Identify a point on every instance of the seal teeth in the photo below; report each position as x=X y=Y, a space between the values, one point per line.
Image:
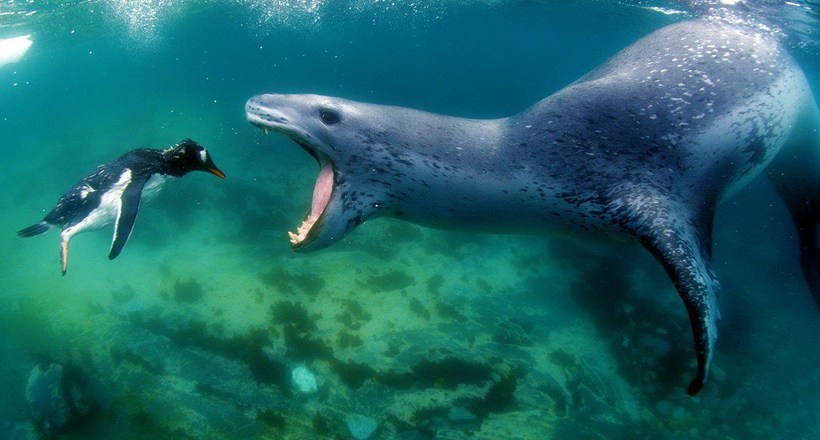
x=301 y=233
x=321 y=198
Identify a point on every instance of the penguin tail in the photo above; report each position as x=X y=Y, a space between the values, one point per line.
x=35 y=229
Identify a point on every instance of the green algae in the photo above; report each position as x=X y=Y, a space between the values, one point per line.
x=291 y=283
x=189 y=291
x=418 y=309
x=389 y=281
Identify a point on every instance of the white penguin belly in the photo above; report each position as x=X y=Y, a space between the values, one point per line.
x=154 y=185
x=106 y=212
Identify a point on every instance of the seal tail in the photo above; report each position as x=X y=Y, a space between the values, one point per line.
x=35 y=229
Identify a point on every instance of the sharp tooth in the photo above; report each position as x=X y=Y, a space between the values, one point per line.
x=293 y=237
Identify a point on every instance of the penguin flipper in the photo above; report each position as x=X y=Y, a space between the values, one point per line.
x=35 y=229
x=127 y=215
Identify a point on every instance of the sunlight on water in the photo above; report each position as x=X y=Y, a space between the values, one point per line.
x=297 y=13
x=143 y=18
x=798 y=20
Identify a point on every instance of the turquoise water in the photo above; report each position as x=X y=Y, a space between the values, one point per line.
x=195 y=330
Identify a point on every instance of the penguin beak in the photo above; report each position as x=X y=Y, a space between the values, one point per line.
x=216 y=172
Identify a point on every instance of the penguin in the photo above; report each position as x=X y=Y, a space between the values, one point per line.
x=112 y=193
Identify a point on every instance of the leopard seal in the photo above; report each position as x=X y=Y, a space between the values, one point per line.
x=645 y=146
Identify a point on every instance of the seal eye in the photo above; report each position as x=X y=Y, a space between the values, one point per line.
x=329 y=117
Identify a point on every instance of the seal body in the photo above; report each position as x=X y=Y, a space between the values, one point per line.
x=112 y=193
x=645 y=146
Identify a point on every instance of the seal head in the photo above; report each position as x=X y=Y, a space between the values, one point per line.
x=322 y=134
x=379 y=160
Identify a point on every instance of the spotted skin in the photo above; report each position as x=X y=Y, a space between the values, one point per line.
x=645 y=146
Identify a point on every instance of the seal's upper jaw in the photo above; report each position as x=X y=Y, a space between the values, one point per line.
x=285 y=114
x=265 y=112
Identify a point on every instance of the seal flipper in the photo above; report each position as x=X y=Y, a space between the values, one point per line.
x=795 y=175
x=806 y=223
x=681 y=242
x=126 y=215
x=690 y=271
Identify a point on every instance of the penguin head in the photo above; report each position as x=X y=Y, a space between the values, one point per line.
x=189 y=156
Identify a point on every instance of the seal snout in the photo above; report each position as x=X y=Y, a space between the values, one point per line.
x=262 y=114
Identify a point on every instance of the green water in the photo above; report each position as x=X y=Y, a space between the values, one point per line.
x=194 y=330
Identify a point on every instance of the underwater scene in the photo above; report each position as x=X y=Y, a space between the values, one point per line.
x=208 y=325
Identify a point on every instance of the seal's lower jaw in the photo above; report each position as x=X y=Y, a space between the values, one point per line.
x=311 y=225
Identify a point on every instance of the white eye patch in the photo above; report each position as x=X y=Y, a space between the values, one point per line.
x=203 y=156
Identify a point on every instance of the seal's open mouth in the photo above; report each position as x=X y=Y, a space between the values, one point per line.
x=322 y=191
x=268 y=121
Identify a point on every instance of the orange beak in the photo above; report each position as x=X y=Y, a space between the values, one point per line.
x=217 y=173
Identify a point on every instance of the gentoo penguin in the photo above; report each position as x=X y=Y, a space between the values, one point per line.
x=113 y=191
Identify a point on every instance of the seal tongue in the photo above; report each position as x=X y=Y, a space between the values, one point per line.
x=321 y=197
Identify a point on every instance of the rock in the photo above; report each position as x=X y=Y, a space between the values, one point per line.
x=304 y=380
x=123 y=294
x=680 y=414
x=57 y=396
x=664 y=408
x=46 y=398
x=460 y=414
x=22 y=431
x=361 y=427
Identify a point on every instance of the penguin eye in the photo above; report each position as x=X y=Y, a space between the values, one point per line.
x=329 y=117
